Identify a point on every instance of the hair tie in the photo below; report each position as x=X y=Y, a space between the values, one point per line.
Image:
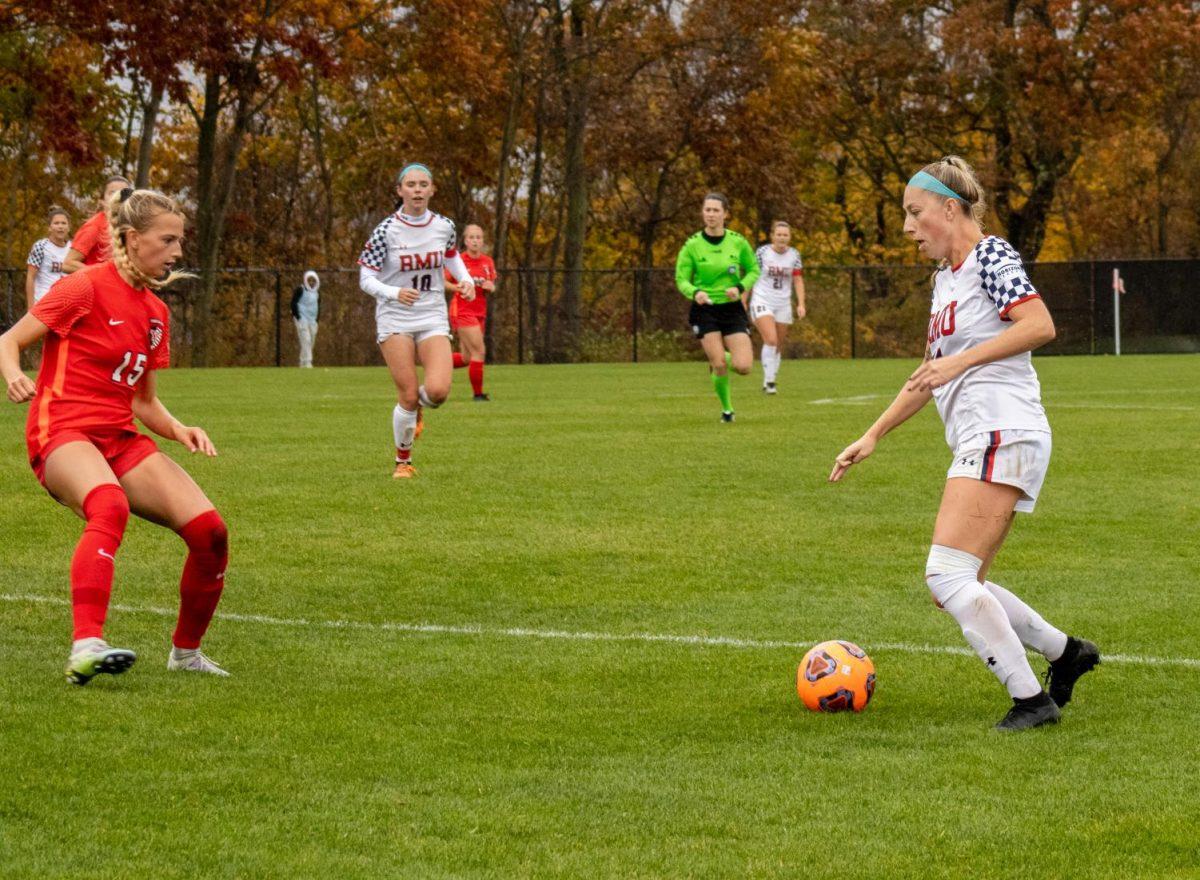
x=125 y=194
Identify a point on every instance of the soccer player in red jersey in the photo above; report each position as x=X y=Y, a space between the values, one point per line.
x=92 y=244
x=106 y=335
x=468 y=318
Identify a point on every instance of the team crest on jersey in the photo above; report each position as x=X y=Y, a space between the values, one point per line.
x=156 y=333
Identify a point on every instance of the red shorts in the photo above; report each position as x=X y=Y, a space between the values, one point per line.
x=123 y=450
x=464 y=314
x=460 y=320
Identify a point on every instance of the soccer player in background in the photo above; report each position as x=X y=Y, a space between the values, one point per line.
x=107 y=334
x=401 y=266
x=91 y=244
x=468 y=318
x=714 y=269
x=985 y=320
x=781 y=275
x=306 y=311
x=46 y=257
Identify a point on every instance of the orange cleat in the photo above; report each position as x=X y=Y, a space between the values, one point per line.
x=404 y=471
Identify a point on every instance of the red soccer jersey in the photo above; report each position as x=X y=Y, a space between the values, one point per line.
x=103 y=337
x=92 y=240
x=482 y=269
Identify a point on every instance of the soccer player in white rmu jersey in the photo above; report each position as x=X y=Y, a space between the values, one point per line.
x=402 y=267
x=985 y=320
x=771 y=300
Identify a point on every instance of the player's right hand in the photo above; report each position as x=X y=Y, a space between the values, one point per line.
x=408 y=295
x=21 y=389
x=701 y=298
x=852 y=454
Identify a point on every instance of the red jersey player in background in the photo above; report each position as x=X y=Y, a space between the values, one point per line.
x=106 y=336
x=468 y=318
x=92 y=244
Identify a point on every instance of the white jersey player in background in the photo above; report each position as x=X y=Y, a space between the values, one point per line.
x=985 y=320
x=401 y=266
x=47 y=256
x=770 y=304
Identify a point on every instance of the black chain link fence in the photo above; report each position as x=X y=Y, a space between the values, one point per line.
x=638 y=315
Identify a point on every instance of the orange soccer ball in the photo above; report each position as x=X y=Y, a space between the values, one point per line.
x=836 y=676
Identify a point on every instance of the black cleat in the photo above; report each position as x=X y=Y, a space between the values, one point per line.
x=481 y=398
x=727 y=417
x=1030 y=713
x=1080 y=656
x=769 y=388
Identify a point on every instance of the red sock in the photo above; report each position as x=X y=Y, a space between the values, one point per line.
x=203 y=577
x=475 y=372
x=107 y=511
x=459 y=360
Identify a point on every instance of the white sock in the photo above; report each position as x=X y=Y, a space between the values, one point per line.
x=1029 y=626
x=775 y=365
x=183 y=653
x=404 y=425
x=952 y=576
x=768 y=363
x=424 y=398
x=81 y=644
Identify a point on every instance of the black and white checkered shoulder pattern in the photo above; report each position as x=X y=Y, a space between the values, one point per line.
x=1002 y=274
x=758 y=255
x=451 y=238
x=374 y=252
x=37 y=253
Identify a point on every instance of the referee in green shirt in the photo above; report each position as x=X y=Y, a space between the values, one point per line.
x=714 y=270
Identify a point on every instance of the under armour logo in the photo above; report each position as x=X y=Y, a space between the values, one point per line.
x=991 y=661
x=968 y=461
x=106 y=555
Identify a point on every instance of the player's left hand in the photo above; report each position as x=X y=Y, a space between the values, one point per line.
x=467 y=290
x=196 y=440
x=733 y=293
x=801 y=312
x=936 y=372
x=487 y=286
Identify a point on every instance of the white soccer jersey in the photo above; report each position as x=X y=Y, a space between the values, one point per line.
x=970 y=306
x=47 y=258
x=774 y=284
x=411 y=252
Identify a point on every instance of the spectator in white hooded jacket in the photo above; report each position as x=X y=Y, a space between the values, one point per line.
x=306 y=307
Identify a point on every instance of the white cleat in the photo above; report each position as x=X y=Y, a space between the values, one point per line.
x=192 y=661
x=94 y=657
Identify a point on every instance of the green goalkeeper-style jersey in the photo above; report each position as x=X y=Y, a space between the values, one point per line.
x=712 y=267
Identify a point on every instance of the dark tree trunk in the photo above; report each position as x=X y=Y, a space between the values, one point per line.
x=150 y=109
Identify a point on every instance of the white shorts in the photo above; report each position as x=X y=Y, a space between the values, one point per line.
x=1012 y=457
x=780 y=311
x=418 y=332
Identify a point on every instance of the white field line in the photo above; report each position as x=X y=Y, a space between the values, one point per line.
x=572 y=635
x=864 y=399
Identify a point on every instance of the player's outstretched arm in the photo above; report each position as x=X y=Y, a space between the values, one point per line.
x=906 y=405
x=16 y=339
x=151 y=413
x=1032 y=327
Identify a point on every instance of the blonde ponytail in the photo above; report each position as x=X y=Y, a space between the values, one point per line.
x=136 y=209
x=954 y=172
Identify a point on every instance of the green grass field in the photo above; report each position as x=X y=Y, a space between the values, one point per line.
x=522 y=734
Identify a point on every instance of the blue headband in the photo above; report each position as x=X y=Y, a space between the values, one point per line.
x=415 y=166
x=923 y=180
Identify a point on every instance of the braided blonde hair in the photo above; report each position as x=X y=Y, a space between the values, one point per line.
x=136 y=209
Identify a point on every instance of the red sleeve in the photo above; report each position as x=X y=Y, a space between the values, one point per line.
x=160 y=337
x=87 y=236
x=491 y=269
x=65 y=303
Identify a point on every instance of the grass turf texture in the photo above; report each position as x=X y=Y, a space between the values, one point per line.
x=608 y=498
